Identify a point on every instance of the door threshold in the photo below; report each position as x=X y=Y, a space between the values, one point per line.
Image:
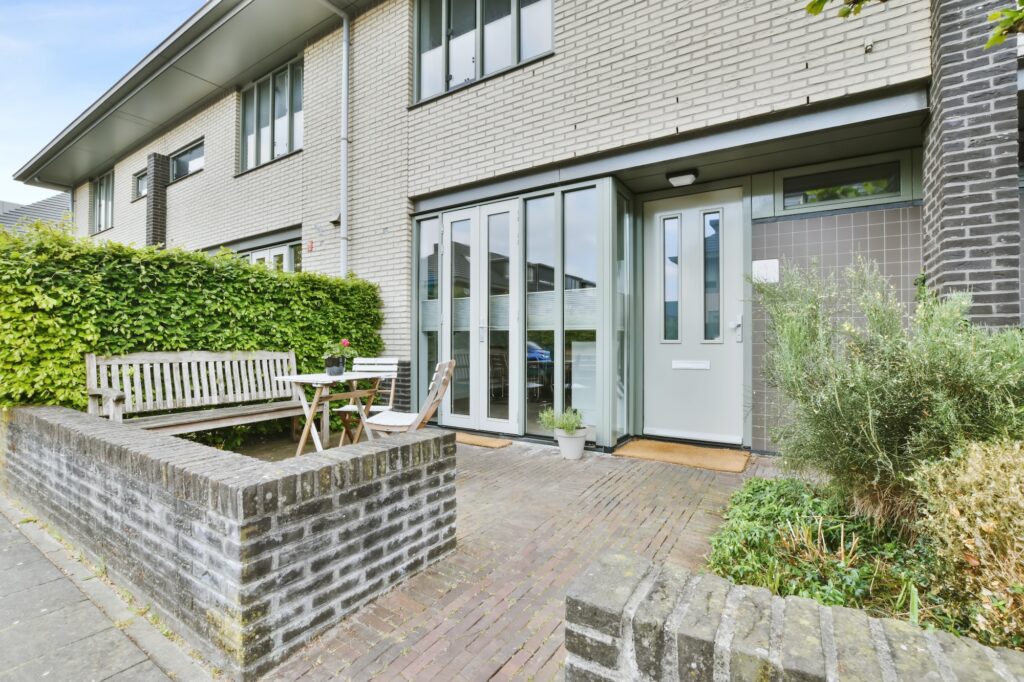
x=686 y=441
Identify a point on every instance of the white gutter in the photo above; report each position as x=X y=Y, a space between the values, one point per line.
x=343 y=172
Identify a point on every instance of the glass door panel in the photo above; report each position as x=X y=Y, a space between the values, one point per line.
x=541 y=308
x=461 y=314
x=481 y=292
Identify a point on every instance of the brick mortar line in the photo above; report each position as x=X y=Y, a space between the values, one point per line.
x=144 y=634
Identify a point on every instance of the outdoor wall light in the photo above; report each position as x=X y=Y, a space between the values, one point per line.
x=682 y=178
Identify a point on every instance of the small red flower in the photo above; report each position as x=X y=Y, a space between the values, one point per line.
x=345 y=343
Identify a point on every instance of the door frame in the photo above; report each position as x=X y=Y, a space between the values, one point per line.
x=479 y=307
x=639 y=330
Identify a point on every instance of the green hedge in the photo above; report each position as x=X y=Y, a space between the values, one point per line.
x=62 y=297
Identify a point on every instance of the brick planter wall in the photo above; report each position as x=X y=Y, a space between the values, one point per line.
x=248 y=559
x=627 y=619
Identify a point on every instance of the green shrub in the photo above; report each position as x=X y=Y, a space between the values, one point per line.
x=796 y=539
x=62 y=297
x=867 y=398
x=974 y=511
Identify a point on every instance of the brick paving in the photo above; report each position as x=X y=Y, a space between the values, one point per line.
x=528 y=523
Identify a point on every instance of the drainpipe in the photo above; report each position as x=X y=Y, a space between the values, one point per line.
x=343 y=160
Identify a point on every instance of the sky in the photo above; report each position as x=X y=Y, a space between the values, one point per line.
x=57 y=57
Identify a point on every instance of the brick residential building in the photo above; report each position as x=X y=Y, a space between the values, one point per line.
x=568 y=196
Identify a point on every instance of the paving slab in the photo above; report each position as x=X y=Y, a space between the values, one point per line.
x=529 y=522
x=59 y=622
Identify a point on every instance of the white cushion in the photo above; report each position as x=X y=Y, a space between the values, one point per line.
x=392 y=418
x=373 y=408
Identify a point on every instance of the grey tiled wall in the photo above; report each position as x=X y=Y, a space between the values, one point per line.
x=889 y=236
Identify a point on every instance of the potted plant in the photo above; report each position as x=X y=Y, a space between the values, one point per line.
x=337 y=356
x=569 y=430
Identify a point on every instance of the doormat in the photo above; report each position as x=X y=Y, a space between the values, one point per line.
x=701 y=457
x=480 y=441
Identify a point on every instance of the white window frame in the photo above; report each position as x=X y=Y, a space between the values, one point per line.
x=517 y=60
x=135 y=184
x=906 y=192
x=268 y=78
x=102 y=211
x=201 y=142
x=268 y=252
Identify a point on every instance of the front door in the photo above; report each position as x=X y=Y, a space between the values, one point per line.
x=693 y=317
x=481 y=321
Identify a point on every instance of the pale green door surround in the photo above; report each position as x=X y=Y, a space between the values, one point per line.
x=534 y=306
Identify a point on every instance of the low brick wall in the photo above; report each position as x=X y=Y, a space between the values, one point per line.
x=627 y=619
x=249 y=559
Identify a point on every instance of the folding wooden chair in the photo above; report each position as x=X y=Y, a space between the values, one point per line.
x=400 y=422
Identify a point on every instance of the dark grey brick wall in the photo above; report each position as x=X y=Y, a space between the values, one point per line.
x=890 y=237
x=158 y=175
x=403 y=391
x=248 y=559
x=628 y=619
x=971 y=220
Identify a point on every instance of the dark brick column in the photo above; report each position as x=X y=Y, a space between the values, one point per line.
x=158 y=174
x=403 y=389
x=971 y=201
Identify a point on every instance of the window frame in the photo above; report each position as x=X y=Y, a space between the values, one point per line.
x=268 y=78
x=663 y=274
x=906 y=193
x=201 y=142
x=480 y=76
x=720 y=212
x=144 y=173
x=289 y=247
x=106 y=181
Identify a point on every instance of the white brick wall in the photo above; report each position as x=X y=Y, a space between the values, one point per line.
x=622 y=74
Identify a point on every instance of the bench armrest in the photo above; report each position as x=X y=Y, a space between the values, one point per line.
x=108 y=393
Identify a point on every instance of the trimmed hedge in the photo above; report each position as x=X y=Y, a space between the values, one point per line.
x=62 y=297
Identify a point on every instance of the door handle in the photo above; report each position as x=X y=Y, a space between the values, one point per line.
x=483 y=333
x=737 y=326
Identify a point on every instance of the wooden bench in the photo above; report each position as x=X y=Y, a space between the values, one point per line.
x=241 y=383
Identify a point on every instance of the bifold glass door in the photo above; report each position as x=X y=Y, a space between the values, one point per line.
x=480 y=324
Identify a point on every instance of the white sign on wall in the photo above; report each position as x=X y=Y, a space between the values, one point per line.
x=765 y=271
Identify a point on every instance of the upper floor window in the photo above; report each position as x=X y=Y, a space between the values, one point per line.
x=187 y=161
x=459 y=41
x=272 y=116
x=102 y=203
x=141 y=181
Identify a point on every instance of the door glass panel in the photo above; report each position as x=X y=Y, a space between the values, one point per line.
x=278 y=263
x=431 y=57
x=620 y=425
x=541 y=308
x=461 y=290
x=534 y=28
x=429 y=297
x=670 y=269
x=712 y=277
x=499 y=248
x=497 y=35
x=461 y=42
x=296 y=257
x=580 y=262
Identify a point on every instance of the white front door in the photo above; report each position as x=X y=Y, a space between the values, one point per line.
x=482 y=328
x=693 y=317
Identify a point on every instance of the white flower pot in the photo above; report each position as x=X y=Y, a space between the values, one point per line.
x=571 y=443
